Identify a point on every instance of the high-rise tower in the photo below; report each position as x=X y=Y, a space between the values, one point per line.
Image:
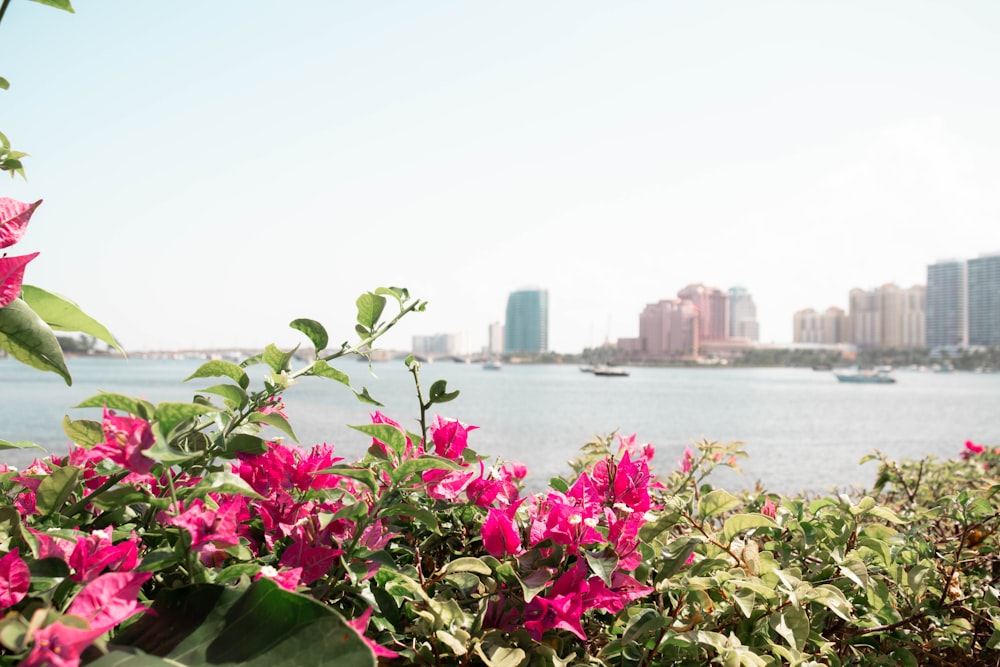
x=947 y=305
x=983 y=275
x=527 y=325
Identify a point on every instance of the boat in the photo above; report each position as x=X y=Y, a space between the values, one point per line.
x=609 y=371
x=879 y=375
x=493 y=365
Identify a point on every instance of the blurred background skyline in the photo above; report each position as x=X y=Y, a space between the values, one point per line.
x=210 y=172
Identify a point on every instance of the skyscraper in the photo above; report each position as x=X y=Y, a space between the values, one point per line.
x=984 y=300
x=947 y=323
x=742 y=315
x=713 y=310
x=527 y=325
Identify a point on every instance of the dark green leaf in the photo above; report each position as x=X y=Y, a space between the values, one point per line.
x=314 y=331
x=363 y=475
x=169 y=415
x=429 y=519
x=225 y=483
x=365 y=397
x=111 y=401
x=244 y=442
x=56 y=488
x=220 y=368
x=233 y=395
x=439 y=394
x=27 y=338
x=4 y=84
x=64 y=315
x=420 y=464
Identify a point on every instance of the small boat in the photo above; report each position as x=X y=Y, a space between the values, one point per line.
x=586 y=369
x=872 y=376
x=609 y=371
x=493 y=365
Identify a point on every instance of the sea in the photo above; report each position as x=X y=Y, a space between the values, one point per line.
x=803 y=430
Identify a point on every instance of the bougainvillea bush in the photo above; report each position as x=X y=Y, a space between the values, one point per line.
x=203 y=533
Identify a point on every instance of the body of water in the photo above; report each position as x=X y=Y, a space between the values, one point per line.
x=802 y=429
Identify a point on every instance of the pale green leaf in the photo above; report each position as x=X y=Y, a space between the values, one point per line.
x=220 y=368
x=737 y=523
x=63 y=315
x=314 y=331
x=717 y=502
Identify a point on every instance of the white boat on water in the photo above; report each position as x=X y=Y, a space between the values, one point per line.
x=493 y=365
x=610 y=371
x=880 y=375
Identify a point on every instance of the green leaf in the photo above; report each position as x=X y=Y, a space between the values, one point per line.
x=126 y=495
x=63 y=315
x=420 y=464
x=438 y=392
x=833 y=599
x=717 y=502
x=429 y=519
x=276 y=420
x=370 y=307
x=793 y=626
x=363 y=475
x=390 y=435
x=112 y=401
x=27 y=338
x=58 y=4
x=467 y=564
x=277 y=359
x=855 y=570
x=737 y=523
x=365 y=397
x=56 y=488
x=244 y=442
x=233 y=395
x=84 y=432
x=20 y=444
x=220 y=368
x=4 y=84
x=325 y=370
x=602 y=563
x=169 y=415
x=223 y=482
x=314 y=331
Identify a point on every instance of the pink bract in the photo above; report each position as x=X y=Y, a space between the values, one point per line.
x=15 y=579
x=14 y=217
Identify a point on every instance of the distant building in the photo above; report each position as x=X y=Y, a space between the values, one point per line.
x=441 y=345
x=713 y=310
x=984 y=300
x=947 y=305
x=495 y=345
x=742 y=315
x=667 y=329
x=827 y=328
x=527 y=325
x=887 y=317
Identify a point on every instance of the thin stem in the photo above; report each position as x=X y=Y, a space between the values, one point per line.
x=3 y=9
x=78 y=506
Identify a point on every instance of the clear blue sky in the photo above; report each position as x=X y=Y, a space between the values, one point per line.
x=212 y=170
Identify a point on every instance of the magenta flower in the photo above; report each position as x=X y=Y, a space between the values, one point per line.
x=500 y=534
x=58 y=645
x=687 y=462
x=446 y=484
x=14 y=217
x=560 y=608
x=286 y=578
x=109 y=599
x=450 y=437
x=212 y=531
x=971 y=449
x=126 y=438
x=624 y=589
x=15 y=579
x=360 y=624
x=95 y=553
x=769 y=509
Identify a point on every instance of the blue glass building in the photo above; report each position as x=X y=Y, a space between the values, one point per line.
x=527 y=327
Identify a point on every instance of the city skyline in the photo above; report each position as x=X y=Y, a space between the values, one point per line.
x=207 y=178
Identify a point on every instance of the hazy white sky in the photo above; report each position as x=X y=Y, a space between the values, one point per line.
x=212 y=170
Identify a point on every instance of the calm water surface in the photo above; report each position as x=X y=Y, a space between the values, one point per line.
x=802 y=429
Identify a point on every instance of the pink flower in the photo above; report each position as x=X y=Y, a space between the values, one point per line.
x=109 y=599
x=769 y=509
x=95 y=553
x=14 y=217
x=59 y=645
x=15 y=579
x=561 y=607
x=450 y=437
x=126 y=438
x=500 y=534
x=446 y=484
x=211 y=530
x=971 y=449
x=687 y=462
x=360 y=624
x=286 y=578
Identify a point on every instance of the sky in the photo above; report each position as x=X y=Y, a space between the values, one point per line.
x=211 y=171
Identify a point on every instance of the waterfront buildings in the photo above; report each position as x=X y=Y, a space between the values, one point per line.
x=494 y=347
x=742 y=315
x=947 y=305
x=526 y=329
x=984 y=300
x=885 y=317
x=699 y=321
x=453 y=344
x=826 y=328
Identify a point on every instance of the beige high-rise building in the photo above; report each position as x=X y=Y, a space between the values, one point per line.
x=888 y=317
x=828 y=327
